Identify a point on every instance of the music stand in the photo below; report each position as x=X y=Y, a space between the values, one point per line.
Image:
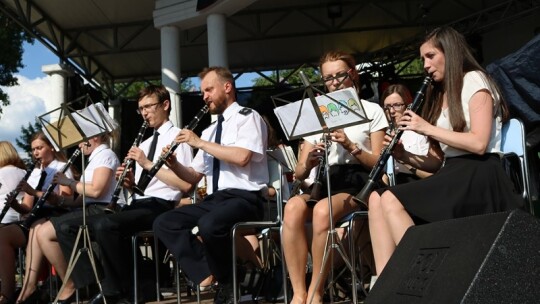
x=322 y=114
x=71 y=128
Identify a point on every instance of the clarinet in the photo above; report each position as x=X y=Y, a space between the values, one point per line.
x=34 y=213
x=315 y=194
x=145 y=179
x=111 y=207
x=378 y=169
x=12 y=196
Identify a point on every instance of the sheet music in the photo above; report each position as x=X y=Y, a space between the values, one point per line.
x=339 y=109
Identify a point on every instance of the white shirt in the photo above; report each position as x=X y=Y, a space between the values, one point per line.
x=414 y=143
x=473 y=82
x=102 y=156
x=10 y=176
x=244 y=128
x=52 y=168
x=358 y=134
x=184 y=154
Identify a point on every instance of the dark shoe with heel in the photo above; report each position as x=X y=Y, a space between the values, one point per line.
x=69 y=299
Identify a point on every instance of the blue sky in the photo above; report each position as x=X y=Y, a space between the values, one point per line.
x=28 y=99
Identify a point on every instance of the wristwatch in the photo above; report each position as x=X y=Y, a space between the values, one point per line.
x=413 y=170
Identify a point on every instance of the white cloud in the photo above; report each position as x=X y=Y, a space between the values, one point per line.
x=28 y=101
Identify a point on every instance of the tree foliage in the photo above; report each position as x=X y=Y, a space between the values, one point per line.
x=11 y=40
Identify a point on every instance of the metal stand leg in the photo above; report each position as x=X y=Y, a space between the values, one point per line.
x=332 y=240
x=75 y=255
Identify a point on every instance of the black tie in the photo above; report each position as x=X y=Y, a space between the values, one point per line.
x=152 y=150
x=215 y=169
x=40 y=183
x=153 y=145
x=41 y=180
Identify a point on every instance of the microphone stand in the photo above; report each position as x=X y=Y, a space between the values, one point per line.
x=332 y=239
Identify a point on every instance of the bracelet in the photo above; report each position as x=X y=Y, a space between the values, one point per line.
x=71 y=184
x=355 y=151
x=413 y=170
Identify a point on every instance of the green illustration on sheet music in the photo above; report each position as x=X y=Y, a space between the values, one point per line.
x=338 y=109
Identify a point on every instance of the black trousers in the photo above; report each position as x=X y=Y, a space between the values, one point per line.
x=214 y=216
x=111 y=232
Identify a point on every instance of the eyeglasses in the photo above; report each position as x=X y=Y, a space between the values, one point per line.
x=340 y=77
x=396 y=106
x=146 y=107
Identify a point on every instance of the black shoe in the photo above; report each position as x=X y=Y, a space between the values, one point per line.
x=69 y=300
x=225 y=294
x=96 y=299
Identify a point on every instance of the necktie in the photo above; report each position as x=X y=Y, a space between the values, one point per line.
x=41 y=181
x=152 y=150
x=215 y=168
x=153 y=145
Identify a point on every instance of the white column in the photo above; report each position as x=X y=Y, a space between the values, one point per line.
x=217 y=40
x=170 y=70
x=58 y=74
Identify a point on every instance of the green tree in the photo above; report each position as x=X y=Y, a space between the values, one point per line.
x=11 y=40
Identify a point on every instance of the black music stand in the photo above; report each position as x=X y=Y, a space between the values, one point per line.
x=310 y=116
x=71 y=128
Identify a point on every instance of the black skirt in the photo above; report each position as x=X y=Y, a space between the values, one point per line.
x=466 y=185
x=345 y=179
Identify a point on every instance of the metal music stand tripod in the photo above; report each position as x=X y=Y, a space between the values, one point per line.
x=294 y=129
x=71 y=128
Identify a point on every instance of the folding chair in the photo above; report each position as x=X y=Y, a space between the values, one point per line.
x=276 y=170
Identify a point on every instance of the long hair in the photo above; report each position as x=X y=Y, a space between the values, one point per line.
x=459 y=60
x=9 y=156
x=345 y=57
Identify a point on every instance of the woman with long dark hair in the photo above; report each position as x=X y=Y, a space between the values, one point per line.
x=463 y=117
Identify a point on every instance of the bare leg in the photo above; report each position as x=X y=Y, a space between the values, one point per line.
x=381 y=239
x=11 y=238
x=295 y=246
x=396 y=216
x=34 y=260
x=341 y=205
x=46 y=236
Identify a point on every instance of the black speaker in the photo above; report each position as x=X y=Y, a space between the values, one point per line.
x=492 y=258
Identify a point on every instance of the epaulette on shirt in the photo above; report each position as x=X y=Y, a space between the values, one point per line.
x=245 y=111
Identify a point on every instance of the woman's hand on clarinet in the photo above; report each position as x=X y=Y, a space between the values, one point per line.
x=412 y=121
x=399 y=150
x=62 y=179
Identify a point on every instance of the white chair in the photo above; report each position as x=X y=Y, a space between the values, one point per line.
x=276 y=172
x=513 y=144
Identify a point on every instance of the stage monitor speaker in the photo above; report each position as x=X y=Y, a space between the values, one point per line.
x=492 y=258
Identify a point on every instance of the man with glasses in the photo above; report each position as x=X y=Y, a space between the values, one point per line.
x=112 y=231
